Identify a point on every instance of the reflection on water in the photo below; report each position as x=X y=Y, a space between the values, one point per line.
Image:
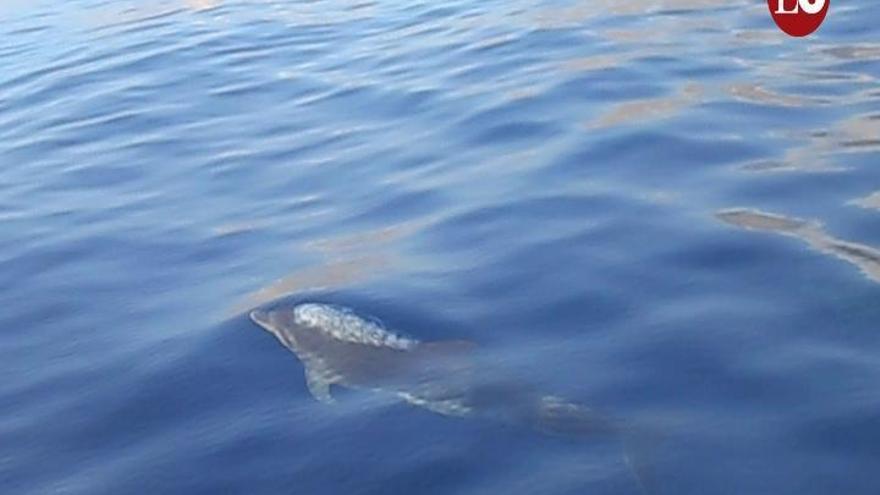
x=576 y=13
x=864 y=51
x=123 y=14
x=760 y=37
x=233 y=228
x=638 y=111
x=331 y=274
x=324 y=13
x=860 y=133
x=595 y=62
x=345 y=261
x=871 y=201
x=824 y=80
x=366 y=240
x=866 y=258
x=824 y=150
x=755 y=93
x=796 y=159
x=10 y=6
x=198 y=5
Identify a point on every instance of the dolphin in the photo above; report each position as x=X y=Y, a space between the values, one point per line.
x=338 y=347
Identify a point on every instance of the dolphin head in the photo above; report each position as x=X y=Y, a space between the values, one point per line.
x=274 y=321
x=329 y=325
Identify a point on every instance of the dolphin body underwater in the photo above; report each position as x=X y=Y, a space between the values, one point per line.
x=338 y=347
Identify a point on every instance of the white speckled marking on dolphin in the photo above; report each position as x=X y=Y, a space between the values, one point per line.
x=344 y=325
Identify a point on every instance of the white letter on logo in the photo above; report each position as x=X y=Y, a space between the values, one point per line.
x=812 y=6
x=780 y=7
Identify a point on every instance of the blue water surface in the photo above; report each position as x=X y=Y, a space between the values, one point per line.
x=668 y=211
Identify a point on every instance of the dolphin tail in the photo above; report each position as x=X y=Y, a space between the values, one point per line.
x=559 y=417
x=635 y=448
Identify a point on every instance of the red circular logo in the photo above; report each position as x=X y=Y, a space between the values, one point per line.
x=798 y=17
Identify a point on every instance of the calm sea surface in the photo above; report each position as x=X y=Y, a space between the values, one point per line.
x=668 y=211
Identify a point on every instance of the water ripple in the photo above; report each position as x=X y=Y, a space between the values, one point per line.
x=537 y=176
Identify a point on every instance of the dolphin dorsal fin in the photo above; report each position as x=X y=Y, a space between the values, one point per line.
x=319 y=385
